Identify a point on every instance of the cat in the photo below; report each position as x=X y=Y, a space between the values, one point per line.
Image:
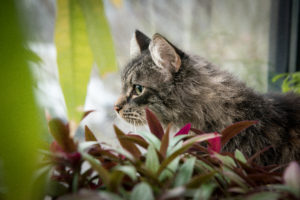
x=182 y=88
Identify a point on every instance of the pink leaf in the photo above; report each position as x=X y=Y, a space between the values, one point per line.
x=214 y=143
x=184 y=130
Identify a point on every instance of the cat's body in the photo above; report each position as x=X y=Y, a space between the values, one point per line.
x=182 y=89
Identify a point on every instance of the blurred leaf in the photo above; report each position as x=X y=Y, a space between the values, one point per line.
x=226 y=160
x=152 y=161
x=90 y=195
x=128 y=170
x=185 y=172
x=200 y=179
x=240 y=156
x=136 y=139
x=198 y=132
x=100 y=39
x=86 y=113
x=184 y=130
x=205 y=191
x=165 y=142
x=55 y=188
x=291 y=177
x=142 y=191
x=74 y=56
x=263 y=196
x=61 y=134
x=97 y=166
x=279 y=76
x=235 y=129
x=21 y=122
x=129 y=146
x=233 y=177
x=115 y=180
x=154 y=124
x=89 y=135
x=174 y=193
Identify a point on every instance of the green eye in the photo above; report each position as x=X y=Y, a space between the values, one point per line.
x=138 y=89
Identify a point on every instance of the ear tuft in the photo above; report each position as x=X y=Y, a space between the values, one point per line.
x=138 y=43
x=163 y=53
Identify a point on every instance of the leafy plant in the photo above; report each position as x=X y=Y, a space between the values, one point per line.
x=291 y=82
x=156 y=166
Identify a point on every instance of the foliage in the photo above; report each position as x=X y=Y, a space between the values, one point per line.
x=291 y=82
x=19 y=118
x=82 y=37
x=155 y=166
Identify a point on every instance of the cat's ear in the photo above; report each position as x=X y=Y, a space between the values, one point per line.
x=164 y=54
x=138 y=43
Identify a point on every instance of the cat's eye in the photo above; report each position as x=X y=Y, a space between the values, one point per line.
x=138 y=89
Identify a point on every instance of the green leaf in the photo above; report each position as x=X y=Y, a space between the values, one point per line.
x=152 y=161
x=74 y=56
x=21 y=122
x=205 y=191
x=279 y=76
x=226 y=160
x=128 y=170
x=185 y=172
x=240 y=156
x=151 y=139
x=263 y=196
x=142 y=191
x=128 y=145
x=99 y=35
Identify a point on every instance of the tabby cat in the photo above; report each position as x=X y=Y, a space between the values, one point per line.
x=182 y=88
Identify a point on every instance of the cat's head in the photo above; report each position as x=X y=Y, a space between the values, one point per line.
x=148 y=80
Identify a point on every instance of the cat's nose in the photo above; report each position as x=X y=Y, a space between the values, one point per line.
x=117 y=108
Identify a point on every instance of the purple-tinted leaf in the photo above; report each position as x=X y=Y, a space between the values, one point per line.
x=165 y=142
x=61 y=134
x=137 y=139
x=215 y=143
x=201 y=138
x=291 y=177
x=235 y=129
x=251 y=159
x=154 y=124
x=184 y=130
x=198 y=180
x=89 y=135
x=129 y=146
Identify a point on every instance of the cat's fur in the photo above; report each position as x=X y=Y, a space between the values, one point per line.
x=181 y=88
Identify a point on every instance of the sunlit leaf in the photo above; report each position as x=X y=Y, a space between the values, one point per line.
x=129 y=146
x=142 y=191
x=154 y=124
x=185 y=172
x=99 y=35
x=74 y=56
x=235 y=129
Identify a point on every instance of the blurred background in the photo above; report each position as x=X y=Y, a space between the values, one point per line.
x=71 y=53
